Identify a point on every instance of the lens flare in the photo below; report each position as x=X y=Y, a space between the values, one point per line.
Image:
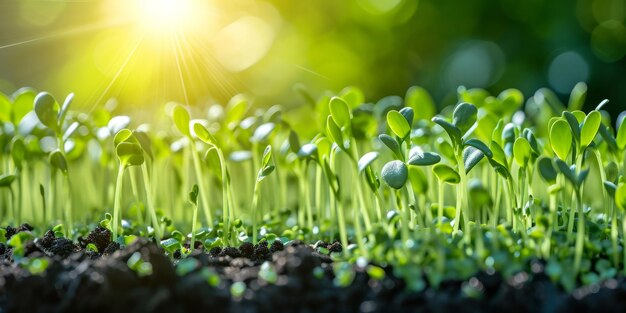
x=166 y=16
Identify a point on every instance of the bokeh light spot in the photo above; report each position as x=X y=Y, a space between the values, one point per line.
x=567 y=69
x=608 y=41
x=243 y=43
x=476 y=64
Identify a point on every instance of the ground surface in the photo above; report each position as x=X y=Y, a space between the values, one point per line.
x=78 y=280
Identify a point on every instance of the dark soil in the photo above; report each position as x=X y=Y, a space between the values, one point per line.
x=78 y=280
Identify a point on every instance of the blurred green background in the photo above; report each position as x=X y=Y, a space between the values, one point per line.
x=263 y=48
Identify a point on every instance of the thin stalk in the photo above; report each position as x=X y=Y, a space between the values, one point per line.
x=150 y=202
x=405 y=216
x=68 y=208
x=580 y=233
x=255 y=208
x=624 y=250
x=462 y=204
x=200 y=178
x=440 y=204
x=359 y=234
x=135 y=190
x=614 y=233
x=117 y=201
x=194 y=221
x=225 y=204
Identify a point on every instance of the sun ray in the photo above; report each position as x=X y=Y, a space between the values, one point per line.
x=180 y=72
x=66 y=33
x=116 y=76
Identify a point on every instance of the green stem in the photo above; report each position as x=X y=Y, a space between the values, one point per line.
x=255 y=208
x=440 y=204
x=117 y=201
x=462 y=204
x=135 y=190
x=150 y=202
x=225 y=204
x=580 y=233
x=614 y=239
x=194 y=221
x=68 y=208
x=200 y=178
x=405 y=216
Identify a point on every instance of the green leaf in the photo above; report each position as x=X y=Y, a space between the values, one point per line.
x=58 y=161
x=445 y=149
x=577 y=97
x=144 y=142
x=522 y=151
x=567 y=171
x=267 y=156
x=264 y=172
x=608 y=137
x=124 y=135
x=47 y=110
x=510 y=100
x=23 y=100
x=421 y=158
x=236 y=108
x=590 y=128
x=480 y=146
x=340 y=111
x=408 y=114
x=193 y=194
x=372 y=180
x=212 y=159
x=392 y=144
x=333 y=180
x=334 y=132
x=170 y=245
x=574 y=125
x=610 y=187
x=64 y=109
x=398 y=124
x=453 y=131
x=620 y=196
x=294 y=142
x=464 y=116
x=446 y=174
x=419 y=181
x=532 y=140
x=561 y=138
x=203 y=134
x=621 y=134
x=6 y=180
x=18 y=151
x=395 y=174
x=5 y=108
x=498 y=153
x=130 y=154
x=471 y=157
x=421 y=102
x=485 y=126
x=181 y=118
x=547 y=170
x=366 y=160
x=353 y=96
